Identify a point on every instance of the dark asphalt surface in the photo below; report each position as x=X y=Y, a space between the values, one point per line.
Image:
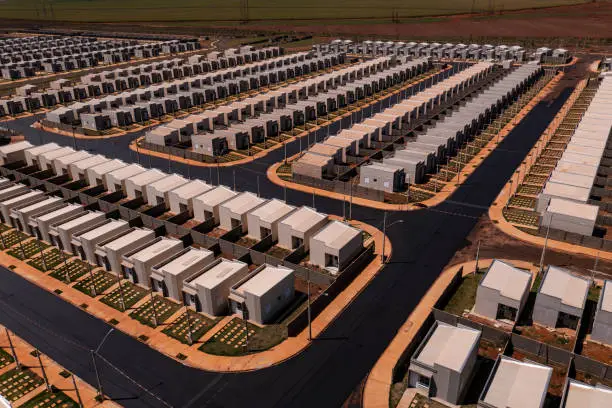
x=324 y=374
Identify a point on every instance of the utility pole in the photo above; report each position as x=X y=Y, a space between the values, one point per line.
x=350 y=200
x=234 y=176
x=545 y=243
x=309 y=313
x=100 y=391
x=382 y=255
x=477 y=256
x=42 y=368
x=189 y=334
x=93 y=283
x=10 y=341
x=76 y=390
x=154 y=310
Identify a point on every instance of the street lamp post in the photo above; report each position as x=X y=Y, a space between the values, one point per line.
x=385 y=226
x=93 y=359
x=10 y=341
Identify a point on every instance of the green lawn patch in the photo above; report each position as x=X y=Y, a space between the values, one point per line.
x=179 y=329
x=30 y=249
x=16 y=383
x=5 y=358
x=231 y=340
x=48 y=399
x=102 y=281
x=75 y=269
x=12 y=238
x=52 y=258
x=131 y=295
x=465 y=295
x=164 y=308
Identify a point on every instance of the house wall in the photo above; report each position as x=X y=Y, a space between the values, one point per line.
x=89 y=246
x=262 y=309
x=487 y=301
x=546 y=310
x=602 y=327
x=174 y=283
x=286 y=232
x=143 y=268
x=43 y=226
x=115 y=257
x=217 y=299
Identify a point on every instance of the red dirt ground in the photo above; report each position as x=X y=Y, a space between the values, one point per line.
x=587 y=20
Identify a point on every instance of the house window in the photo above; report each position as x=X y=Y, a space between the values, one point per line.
x=296 y=242
x=505 y=312
x=423 y=382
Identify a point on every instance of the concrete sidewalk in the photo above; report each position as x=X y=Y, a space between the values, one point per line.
x=380 y=380
x=23 y=350
x=448 y=189
x=158 y=340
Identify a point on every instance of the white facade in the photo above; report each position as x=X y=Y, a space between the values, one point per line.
x=109 y=253
x=158 y=191
x=136 y=265
x=181 y=199
x=137 y=186
x=84 y=244
x=208 y=289
x=264 y=220
x=167 y=278
x=296 y=229
x=234 y=212
x=206 y=206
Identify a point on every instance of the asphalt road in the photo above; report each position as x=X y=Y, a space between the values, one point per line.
x=324 y=374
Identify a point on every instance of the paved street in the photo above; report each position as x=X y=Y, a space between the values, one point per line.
x=323 y=375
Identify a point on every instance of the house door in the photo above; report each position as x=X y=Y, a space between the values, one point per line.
x=505 y=312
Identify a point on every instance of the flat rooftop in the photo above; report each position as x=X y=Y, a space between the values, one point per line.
x=243 y=203
x=21 y=197
x=559 y=283
x=517 y=384
x=15 y=147
x=147 y=177
x=272 y=211
x=449 y=346
x=179 y=264
x=572 y=209
x=88 y=217
x=192 y=189
x=511 y=282
x=314 y=159
x=108 y=166
x=217 y=274
x=261 y=282
x=336 y=234
x=92 y=161
x=157 y=248
x=103 y=229
x=128 y=238
x=55 y=153
x=566 y=191
x=606 y=296
x=168 y=183
x=74 y=157
x=127 y=171
x=324 y=149
x=303 y=219
x=581 y=395
x=39 y=204
x=216 y=196
x=35 y=151
x=59 y=212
